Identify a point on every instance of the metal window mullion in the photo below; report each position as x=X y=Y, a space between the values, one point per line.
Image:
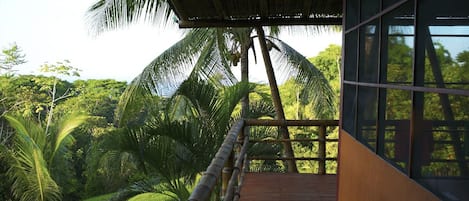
x=376 y=16
x=357 y=72
x=418 y=70
x=382 y=60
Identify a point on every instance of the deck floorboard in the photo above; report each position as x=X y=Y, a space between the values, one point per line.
x=290 y=186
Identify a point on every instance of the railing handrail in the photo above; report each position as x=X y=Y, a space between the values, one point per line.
x=237 y=169
x=275 y=122
x=209 y=179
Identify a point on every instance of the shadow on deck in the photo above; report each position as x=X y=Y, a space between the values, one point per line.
x=288 y=186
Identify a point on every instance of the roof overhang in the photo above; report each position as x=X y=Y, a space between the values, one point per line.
x=250 y=13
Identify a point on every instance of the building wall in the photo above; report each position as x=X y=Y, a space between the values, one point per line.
x=363 y=176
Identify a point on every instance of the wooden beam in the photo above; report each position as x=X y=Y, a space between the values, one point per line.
x=307 y=8
x=276 y=122
x=176 y=5
x=266 y=158
x=259 y=22
x=219 y=8
x=264 y=8
x=291 y=140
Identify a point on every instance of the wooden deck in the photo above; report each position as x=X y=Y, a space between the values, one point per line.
x=290 y=186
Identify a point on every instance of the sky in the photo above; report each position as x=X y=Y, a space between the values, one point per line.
x=56 y=30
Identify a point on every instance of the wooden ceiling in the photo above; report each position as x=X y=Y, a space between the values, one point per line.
x=250 y=13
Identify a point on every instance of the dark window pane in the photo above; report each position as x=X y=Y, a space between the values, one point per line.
x=397 y=47
x=447 y=53
x=369 y=8
x=350 y=57
x=396 y=127
x=366 y=116
x=349 y=107
x=387 y=3
x=440 y=148
x=446 y=125
x=352 y=13
x=369 y=52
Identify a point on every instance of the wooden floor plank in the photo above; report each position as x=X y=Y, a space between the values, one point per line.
x=288 y=187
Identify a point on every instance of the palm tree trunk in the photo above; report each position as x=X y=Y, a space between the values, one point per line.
x=245 y=73
x=245 y=45
x=288 y=150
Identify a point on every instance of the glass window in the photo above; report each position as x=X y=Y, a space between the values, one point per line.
x=368 y=9
x=367 y=116
x=369 y=52
x=349 y=106
x=350 y=67
x=406 y=105
x=397 y=47
x=396 y=127
x=447 y=57
x=352 y=14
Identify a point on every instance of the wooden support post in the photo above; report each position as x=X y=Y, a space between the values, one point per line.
x=288 y=150
x=322 y=150
x=226 y=174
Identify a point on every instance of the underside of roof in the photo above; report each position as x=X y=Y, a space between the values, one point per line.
x=249 y=13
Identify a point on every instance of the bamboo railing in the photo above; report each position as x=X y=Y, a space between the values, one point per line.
x=232 y=174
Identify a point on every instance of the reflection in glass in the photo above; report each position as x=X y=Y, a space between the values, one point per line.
x=397 y=127
x=366 y=116
x=447 y=62
x=369 y=52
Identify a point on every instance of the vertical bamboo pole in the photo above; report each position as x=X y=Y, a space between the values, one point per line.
x=226 y=174
x=288 y=150
x=322 y=149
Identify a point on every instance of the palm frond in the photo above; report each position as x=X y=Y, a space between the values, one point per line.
x=28 y=169
x=130 y=111
x=28 y=128
x=197 y=52
x=170 y=68
x=230 y=98
x=65 y=128
x=261 y=109
x=316 y=86
x=201 y=94
x=139 y=187
x=213 y=61
x=112 y=14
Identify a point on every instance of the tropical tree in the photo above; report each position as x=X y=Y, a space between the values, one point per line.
x=180 y=135
x=205 y=52
x=33 y=155
x=11 y=57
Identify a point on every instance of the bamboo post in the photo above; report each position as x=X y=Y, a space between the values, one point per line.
x=204 y=188
x=226 y=175
x=322 y=150
x=288 y=150
x=237 y=171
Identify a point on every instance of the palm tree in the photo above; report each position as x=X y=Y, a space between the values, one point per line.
x=32 y=155
x=181 y=135
x=206 y=52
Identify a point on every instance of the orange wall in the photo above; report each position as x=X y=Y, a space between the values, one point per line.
x=363 y=176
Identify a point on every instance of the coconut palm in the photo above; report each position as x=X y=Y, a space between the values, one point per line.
x=206 y=52
x=180 y=137
x=32 y=155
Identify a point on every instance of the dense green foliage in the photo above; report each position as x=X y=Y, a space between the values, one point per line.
x=159 y=145
x=28 y=98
